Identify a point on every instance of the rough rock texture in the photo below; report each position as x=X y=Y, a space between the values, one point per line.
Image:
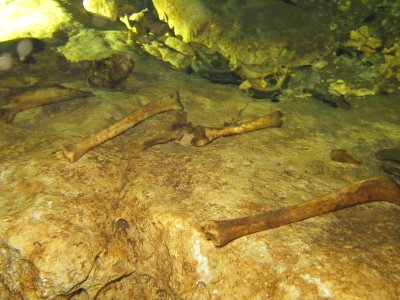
x=105 y=8
x=264 y=33
x=122 y=223
x=92 y=45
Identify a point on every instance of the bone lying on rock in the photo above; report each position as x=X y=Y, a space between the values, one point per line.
x=72 y=152
x=174 y=126
x=37 y=97
x=110 y=72
x=222 y=232
x=204 y=135
x=341 y=155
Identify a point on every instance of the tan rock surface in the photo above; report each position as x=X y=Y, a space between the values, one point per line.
x=262 y=33
x=105 y=8
x=122 y=223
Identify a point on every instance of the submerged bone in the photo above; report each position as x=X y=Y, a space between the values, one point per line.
x=38 y=97
x=341 y=155
x=72 y=152
x=222 y=232
x=110 y=72
x=173 y=128
x=204 y=135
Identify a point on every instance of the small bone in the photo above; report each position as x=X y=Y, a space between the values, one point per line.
x=174 y=127
x=72 y=152
x=222 y=232
x=204 y=135
x=341 y=155
x=34 y=97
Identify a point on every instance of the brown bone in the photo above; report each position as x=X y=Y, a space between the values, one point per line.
x=377 y=189
x=33 y=97
x=72 y=152
x=204 y=135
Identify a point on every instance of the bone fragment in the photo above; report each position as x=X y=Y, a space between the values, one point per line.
x=72 y=152
x=204 y=135
x=341 y=155
x=37 y=97
x=174 y=130
x=222 y=232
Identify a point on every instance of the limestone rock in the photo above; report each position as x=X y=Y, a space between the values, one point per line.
x=177 y=45
x=174 y=58
x=123 y=223
x=91 y=44
x=105 y=8
x=261 y=32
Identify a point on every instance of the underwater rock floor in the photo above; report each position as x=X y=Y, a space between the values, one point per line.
x=123 y=222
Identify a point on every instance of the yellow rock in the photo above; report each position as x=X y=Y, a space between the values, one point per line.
x=245 y=85
x=362 y=41
x=176 y=59
x=178 y=45
x=392 y=61
x=104 y=8
x=342 y=88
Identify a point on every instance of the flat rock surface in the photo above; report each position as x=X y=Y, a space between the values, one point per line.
x=123 y=222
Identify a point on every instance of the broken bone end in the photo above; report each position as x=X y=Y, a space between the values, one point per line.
x=68 y=154
x=277 y=117
x=200 y=137
x=210 y=232
x=220 y=232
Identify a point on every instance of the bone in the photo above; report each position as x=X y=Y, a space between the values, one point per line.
x=34 y=97
x=72 y=152
x=341 y=155
x=222 y=232
x=204 y=135
x=170 y=126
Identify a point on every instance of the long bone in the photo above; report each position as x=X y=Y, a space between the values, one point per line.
x=72 y=152
x=34 y=97
x=204 y=135
x=222 y=232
